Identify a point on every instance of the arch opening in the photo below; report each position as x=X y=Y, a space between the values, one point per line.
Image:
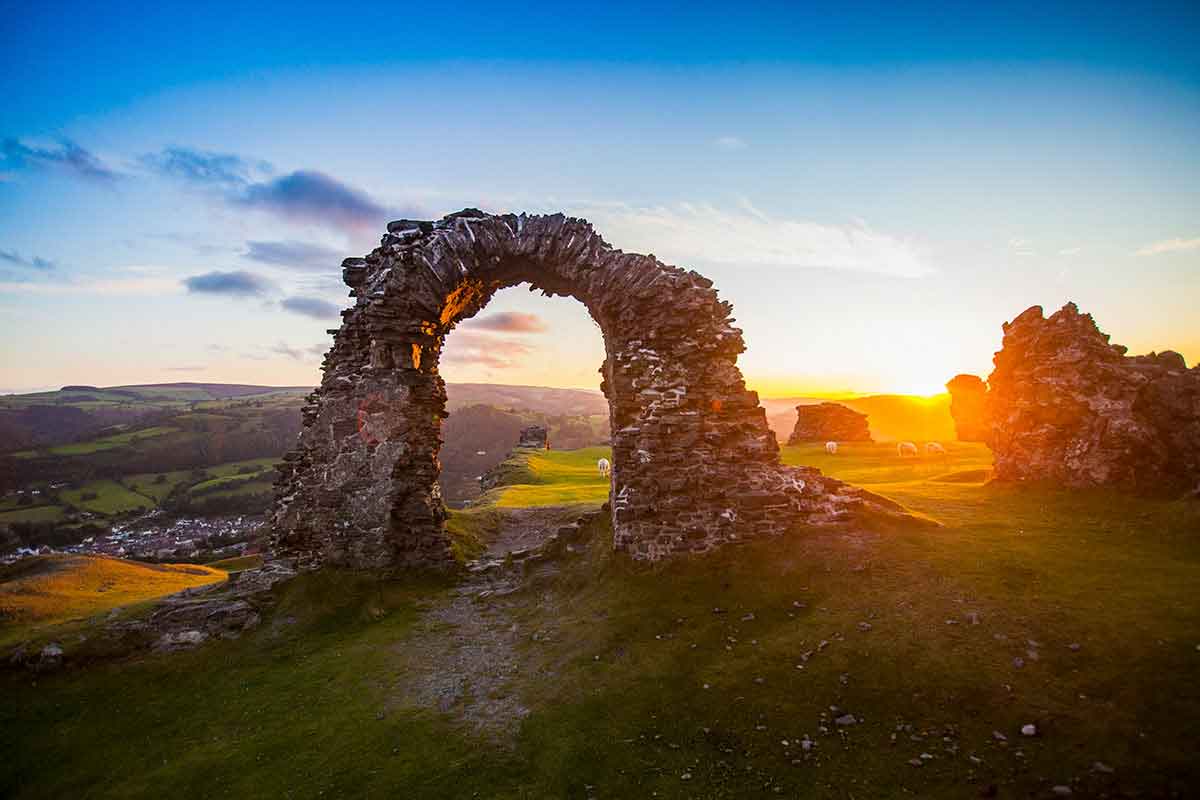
x=694 y=463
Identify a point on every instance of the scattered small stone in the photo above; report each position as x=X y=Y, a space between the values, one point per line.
x=687 y=776
x=1074 y=647
x=951 y=622
x=864 y=626
x=1018 y=662
x=975 y=759
x=1029 y=730
x=1102 y=768
x=999 y=737
x=916 y=762
x=748 y=617
x=845 y=719
x=760 y=681
x=926 y=756
x=1061 y=791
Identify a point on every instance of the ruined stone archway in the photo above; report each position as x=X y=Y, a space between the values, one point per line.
x=694 y=463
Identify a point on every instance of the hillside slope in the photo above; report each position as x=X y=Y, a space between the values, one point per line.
x=869 y=662
x=46 y=590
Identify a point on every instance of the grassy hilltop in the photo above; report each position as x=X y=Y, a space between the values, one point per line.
x=824 y=663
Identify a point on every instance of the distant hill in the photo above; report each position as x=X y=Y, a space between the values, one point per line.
x=77 y=412
x=542 y=399
x=892 y=417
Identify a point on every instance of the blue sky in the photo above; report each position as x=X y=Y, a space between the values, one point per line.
x=875 y=189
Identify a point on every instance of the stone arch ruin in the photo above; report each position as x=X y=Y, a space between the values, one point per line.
x=694 y=463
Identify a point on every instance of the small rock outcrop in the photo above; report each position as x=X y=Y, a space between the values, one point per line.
x=829 y=422
x=534 y=436
x=1066 y=406
x=968 y=394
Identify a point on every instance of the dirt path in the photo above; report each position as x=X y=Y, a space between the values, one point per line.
x=463 y=657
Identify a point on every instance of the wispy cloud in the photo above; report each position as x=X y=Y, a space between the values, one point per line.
x=281 y=348
x=66 y=156
x=1070 y=251
x=689 y=233
x=1168 y=246
x=507 y=322
x=237 y=283
x=204 y=167
x=310 y=307
x=305 y=195
x=295 y=255
x=102 y=286
x=730 y=143
x=1021 y=247
x=483 y=349
x=33 y=262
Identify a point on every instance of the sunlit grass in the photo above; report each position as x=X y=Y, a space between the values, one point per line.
x=711 y=666
x=556 y=477
x=45 y=590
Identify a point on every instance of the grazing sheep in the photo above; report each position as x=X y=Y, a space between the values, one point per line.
x=934 y=449
x=831 y=448
x=605 y=467
x=906 y=449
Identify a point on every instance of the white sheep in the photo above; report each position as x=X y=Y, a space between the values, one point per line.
x=831 y=448
x=605 y=467
x=934 y=449
x=904 y=449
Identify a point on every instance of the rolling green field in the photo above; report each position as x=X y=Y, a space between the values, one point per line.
x=555 y=478
x=111 y=498
x=909 y=658
x=33 y=514
x=146 y=491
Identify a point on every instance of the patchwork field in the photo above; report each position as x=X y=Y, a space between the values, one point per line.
x=878 y=661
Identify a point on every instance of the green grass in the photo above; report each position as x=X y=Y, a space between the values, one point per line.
x=470 y=529
x=110 y=442
x=231 y=468
x=240 y=490
x=111 y=498
x=635 y=675
x=554 y=477
x=237 y=563
x=147 y=483
x=33 y=514
x=869 y=464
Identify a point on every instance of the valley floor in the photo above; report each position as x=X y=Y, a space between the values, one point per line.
x=850 y=663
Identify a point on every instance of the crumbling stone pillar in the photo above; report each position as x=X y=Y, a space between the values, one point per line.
x=694 y=463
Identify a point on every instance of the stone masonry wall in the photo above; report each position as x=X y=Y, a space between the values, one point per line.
x=694 y=463
x=1066 y=406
